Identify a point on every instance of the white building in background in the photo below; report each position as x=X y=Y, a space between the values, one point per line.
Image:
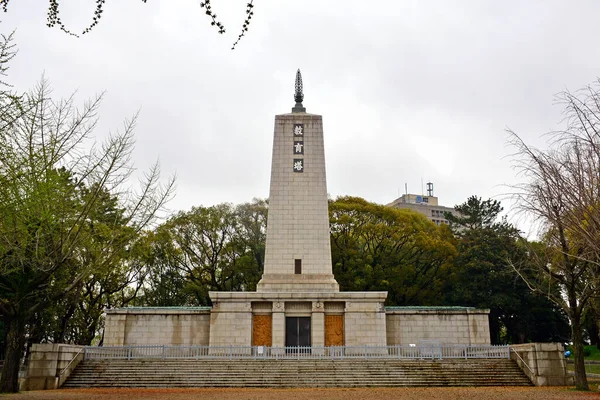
x=425 y=204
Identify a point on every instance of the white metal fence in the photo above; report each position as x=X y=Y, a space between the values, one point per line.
x=281 y=353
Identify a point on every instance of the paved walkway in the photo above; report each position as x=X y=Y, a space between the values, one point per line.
x=493 y=393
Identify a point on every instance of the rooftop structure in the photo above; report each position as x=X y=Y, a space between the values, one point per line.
x=426 y=205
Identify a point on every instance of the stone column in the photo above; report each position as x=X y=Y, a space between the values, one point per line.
x=278 y=324
x=318 y=326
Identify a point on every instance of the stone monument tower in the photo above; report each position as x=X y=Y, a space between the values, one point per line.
x=298 y=251
x=297 y=307
x=297 y=302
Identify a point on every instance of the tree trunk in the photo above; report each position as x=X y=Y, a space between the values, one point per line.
x=494 y=327
x=64 y=322
x=593 y=333
x=15 y=341
x=580 y=377
x=598 y=332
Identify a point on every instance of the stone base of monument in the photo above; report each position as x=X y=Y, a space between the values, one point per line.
x=297 y=283
x=259 y=319
x=298 y=319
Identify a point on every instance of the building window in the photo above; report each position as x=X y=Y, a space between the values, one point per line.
x=298 y=266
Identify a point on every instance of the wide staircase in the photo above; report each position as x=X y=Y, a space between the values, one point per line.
x=295 y=373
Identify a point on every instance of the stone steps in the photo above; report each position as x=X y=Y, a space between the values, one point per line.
x=295 y=373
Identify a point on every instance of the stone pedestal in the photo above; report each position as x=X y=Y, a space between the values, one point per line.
x=50 y=364
x=362 y=312
x=543 y=363
x=292 y=282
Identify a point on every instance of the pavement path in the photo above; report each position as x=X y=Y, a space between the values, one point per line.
x=453 y=393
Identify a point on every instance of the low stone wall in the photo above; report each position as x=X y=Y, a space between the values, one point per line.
x=446 y=325
x=362 y=326
x=178 y=326
x=543 y=363
x=46 y=364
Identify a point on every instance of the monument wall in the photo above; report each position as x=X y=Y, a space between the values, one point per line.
x=231 y=324
x=351 y=323
x=446 y=325
x=157 y=326
x=364 y=324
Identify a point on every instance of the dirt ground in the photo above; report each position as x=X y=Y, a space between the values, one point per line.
x=495 y=393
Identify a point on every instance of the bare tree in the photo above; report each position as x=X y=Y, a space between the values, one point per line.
x=561 y=190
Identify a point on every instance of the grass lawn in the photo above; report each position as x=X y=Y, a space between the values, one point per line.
x=589 y=368
x=593 y=355
x=593 y=352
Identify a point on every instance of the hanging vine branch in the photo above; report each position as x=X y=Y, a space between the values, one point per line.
x=206 y=4
x=97 y=16
x=249 y=13
x=53 y=17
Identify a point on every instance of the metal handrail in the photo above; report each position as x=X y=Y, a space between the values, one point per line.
x=71 y=362
x=430 y=351
x=523 y=361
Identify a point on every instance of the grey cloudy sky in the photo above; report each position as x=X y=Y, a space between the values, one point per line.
x=408 y=90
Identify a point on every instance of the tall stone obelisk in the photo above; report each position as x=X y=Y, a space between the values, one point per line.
x=298 y=250
x=297 y=302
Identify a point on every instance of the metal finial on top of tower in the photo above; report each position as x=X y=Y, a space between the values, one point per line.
x=299 y=95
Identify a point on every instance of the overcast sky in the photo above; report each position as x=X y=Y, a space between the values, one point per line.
x=410 y=91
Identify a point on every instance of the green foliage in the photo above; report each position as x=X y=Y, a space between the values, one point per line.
x=376 y=247
x=590 y=352
x=483 y=277
x=113 y=248
x=591 y=322
x=217 y=248
x=163 y=284
x=476 y=213
x=67 y=221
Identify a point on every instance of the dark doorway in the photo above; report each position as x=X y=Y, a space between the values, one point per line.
x=297 y=331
